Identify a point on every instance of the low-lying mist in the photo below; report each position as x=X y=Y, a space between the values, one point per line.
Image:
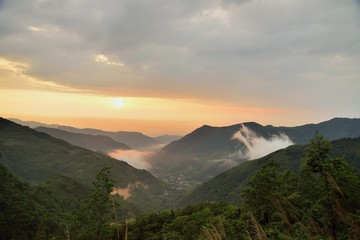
x=258 y=146
x=135 y=158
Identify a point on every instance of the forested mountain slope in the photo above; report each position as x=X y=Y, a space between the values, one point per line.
x=36 y=157
x=208 y=151
x=228 y=185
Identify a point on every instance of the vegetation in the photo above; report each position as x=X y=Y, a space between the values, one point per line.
x=37 y=157
x=319 y=202
x=37 y=212
x=95 y=213
x=26 y=212
x=227 y=185
x=202 y=154
x=315 y=198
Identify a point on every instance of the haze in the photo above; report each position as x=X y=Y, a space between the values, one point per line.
x=167 y=67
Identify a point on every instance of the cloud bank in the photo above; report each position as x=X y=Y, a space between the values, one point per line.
x=184 y=48
x=258 y=146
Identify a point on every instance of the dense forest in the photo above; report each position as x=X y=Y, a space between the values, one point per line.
x=322 y=201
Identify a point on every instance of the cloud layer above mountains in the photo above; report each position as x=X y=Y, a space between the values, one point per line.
x=307 y=52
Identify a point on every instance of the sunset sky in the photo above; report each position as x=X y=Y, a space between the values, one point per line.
x=170 y=66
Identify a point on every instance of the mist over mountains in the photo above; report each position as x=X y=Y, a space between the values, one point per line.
x=37 y=157
x=60 y=174
x=203 y=153
x=227 y=186
x=258 y=146
x=208 y=151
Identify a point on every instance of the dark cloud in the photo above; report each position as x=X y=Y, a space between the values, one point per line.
x=231 y=50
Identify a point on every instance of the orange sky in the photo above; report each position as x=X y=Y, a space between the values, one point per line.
x=176 y=67
x=152 y=116
x=29 y=98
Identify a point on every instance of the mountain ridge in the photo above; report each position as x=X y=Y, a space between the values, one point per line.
x=135 y=140
x=227 y=186
x=92 y=142
x=207 y=151
x=37 y=157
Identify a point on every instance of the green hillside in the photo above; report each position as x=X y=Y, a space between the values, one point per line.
x=37 y=157
x=68 y=192
x=227 y=186
x=26 y=212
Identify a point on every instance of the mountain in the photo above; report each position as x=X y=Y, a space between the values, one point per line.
x=33 y=124
x=135 y=140
x=92 y=142
x=208 y=150
x=37 y=157
x=166 y=139
x=228 y=185
x=25 y=212
x=333 y=129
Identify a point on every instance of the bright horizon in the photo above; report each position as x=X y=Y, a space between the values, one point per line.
x=172 y=67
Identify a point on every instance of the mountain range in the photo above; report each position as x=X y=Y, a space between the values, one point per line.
x=227 y=186
x=97 y=143
x=37 y=157
x=184 y=163
x=134 y=140
x=208 y=151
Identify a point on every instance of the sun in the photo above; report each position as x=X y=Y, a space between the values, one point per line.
x=118 y=102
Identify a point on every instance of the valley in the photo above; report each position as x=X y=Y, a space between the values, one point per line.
x=179 y=120
x=207 y=170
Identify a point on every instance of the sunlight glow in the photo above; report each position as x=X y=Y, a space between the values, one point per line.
x=118 y=102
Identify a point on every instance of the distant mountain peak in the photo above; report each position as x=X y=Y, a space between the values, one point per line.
x=98 y=143
x=135 y=140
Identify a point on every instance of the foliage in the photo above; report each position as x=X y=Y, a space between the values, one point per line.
x=95 y=213
x=198 y=221
x=321 y=200
x=227 y=185
x=311 y=204
x=37 y=157
x=26 y=212
x=209 y=144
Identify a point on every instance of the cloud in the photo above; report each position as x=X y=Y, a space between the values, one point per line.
x=135 y=158
x=258 y=146
x=13 y=73
x=195 y=49
x=103 y=59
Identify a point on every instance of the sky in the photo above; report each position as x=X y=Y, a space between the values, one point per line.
x=170 y=66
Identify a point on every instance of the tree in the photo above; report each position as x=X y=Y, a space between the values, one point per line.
x=95 y=213
x=329 y=185
x=265 y=188
x=317 y=153
x=267 y=202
